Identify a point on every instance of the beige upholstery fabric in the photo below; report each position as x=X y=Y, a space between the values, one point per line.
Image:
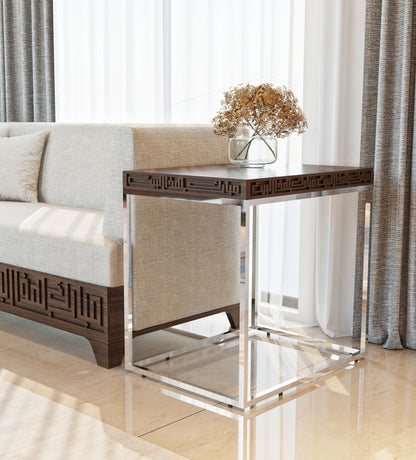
x=60 y=240
x=157 y=146
x=122 y=158
x=185 y=259
x=20 y=159
x=77 y=162
x=169 y=146
x=186 y=255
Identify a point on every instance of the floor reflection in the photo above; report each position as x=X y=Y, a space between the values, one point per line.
x=325 y=420
x=366 y=412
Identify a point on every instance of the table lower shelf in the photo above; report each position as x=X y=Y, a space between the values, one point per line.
x=278 y=361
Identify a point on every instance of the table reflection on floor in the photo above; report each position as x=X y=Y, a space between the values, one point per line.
x=368 y=411
x=327 y=419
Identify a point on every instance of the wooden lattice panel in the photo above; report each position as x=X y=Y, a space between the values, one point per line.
x=94 y=312
x=5 y=295
x=66 y=300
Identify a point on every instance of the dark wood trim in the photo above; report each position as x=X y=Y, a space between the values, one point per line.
x=234 y=317
x=108 y=354
x=232 y=311
x=229 y=181
x=91 y=311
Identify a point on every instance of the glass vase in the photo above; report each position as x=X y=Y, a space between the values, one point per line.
x=252 y=151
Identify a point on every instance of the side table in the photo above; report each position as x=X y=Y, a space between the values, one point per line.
x=239 y=351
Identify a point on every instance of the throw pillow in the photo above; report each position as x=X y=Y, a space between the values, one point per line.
x=20 y=159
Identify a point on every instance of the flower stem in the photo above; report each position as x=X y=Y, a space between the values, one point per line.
x=268 y=146
x=247 y=146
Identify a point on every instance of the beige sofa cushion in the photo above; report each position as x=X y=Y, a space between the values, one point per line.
x=20 y=159
x=78 y=163
x=59 y=240
x=82 y=163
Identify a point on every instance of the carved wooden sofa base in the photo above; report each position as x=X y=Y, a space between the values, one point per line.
x=91 y=311
x=94 y=312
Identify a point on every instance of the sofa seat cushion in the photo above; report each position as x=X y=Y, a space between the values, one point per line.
x=60 y=240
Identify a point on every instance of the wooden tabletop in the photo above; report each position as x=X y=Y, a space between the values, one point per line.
x=232 y=181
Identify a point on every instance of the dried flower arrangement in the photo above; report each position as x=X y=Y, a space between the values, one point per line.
x=264 y=109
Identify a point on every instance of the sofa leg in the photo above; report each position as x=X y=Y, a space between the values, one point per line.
x=108 y=355
x=234 y=317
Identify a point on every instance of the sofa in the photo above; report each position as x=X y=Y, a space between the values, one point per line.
x=61 y=247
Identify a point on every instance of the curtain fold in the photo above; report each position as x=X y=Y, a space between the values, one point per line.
x=334 y=47
x=26 y=61
x=388 y=143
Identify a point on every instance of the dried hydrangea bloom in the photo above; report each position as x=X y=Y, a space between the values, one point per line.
x=265 y=109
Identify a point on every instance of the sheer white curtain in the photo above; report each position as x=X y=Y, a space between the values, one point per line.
x=333 y=79
x=170 y=61
x=161 y=61
x=109 y=63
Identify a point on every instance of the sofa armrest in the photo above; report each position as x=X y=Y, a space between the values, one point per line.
x=185 y=259
x=170 y=146
x=156 y=146
x=185 y=254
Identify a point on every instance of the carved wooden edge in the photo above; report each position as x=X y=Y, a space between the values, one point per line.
x=310 y=183
x=94 y=312
x=136 y=182
x=160 y=184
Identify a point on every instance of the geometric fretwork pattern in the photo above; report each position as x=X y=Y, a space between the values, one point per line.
x=310 y=183
x=179 y=183
x=70 y=301
x=186 y=185
x=28 y=291
x=5 y=296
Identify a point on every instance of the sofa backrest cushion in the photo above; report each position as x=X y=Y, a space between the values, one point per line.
x=82 y=163
x=77 y=161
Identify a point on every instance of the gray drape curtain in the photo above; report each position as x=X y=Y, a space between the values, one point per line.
x=26 y=60
x=388 y=143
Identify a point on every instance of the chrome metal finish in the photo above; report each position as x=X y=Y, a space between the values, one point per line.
x=244 y=369
x=171 y=383
x=128 y=282
x=199 y=345
x=366 y=261
x=275 y=199
x=292 y=337
x=256 y=265
x=230 y=409
x=302 y=196
x=313 y=357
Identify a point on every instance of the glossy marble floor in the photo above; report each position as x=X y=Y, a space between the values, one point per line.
x=55 y=403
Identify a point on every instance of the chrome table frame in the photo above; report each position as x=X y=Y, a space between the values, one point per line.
x=248 y=314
